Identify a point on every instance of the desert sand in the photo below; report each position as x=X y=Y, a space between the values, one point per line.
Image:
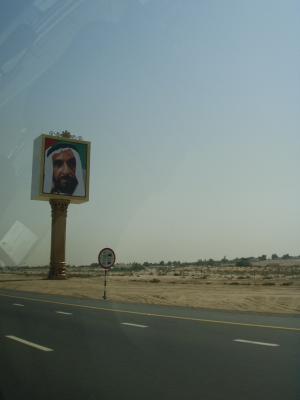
x=180 y=291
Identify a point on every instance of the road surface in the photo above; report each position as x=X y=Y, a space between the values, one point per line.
x=54 y=347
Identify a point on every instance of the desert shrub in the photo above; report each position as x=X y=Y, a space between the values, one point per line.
x=243 y=262
x=136 y=267
x=154 y=280
x=233 y=283
x=211 y=262
x=79 y=275
x=162 y=271
x=117 y=269
x=268 y=284
x=286 y=283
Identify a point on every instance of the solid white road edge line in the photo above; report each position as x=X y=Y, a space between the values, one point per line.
x=136 y=325
x=18 y=304
x=63 y=312
x=36 y=346
x=254 y=342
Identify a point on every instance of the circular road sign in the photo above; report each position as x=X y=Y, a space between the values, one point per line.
x=106 y=258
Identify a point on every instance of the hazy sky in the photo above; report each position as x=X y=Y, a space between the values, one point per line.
x=192 y=109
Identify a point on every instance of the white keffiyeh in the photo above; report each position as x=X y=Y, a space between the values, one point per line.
x=48 y=172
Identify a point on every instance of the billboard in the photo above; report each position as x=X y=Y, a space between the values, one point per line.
x=60 y=169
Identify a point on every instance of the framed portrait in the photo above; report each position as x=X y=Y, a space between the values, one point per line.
x=60 y=169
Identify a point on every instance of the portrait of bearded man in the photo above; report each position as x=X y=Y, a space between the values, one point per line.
x=63 y=171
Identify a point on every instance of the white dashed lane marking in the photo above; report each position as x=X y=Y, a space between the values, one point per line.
x=135 y=325
x=63 y=312
x=156 y=315
x=258 y=343
x=31 y=344
x=18 y=305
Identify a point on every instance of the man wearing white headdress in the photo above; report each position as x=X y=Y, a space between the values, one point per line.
x=63 y=171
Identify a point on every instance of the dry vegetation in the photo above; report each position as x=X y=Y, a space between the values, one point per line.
x=263 y=287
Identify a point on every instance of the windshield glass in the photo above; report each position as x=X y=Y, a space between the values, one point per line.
x=164 y=133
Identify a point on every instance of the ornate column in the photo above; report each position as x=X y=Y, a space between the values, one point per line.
x=58 y=239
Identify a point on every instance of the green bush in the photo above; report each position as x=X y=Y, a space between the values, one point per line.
x=243 y=262
x=136 y=267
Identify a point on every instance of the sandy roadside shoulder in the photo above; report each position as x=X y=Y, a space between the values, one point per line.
x=274 y=299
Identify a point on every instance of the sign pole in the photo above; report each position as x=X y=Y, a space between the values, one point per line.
x=106 y=260
x=104 y=295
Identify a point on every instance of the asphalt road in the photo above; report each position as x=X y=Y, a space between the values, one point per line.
x=61 y=348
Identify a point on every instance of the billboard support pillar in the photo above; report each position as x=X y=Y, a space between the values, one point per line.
x=58 y=238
